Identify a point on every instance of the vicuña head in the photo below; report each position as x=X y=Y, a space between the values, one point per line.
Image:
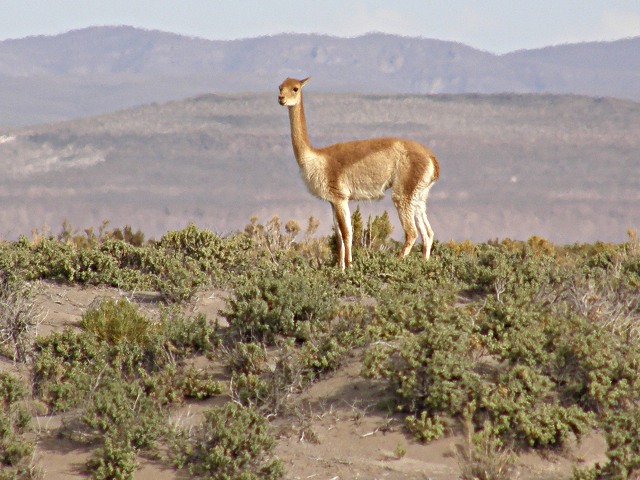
x=364 y=170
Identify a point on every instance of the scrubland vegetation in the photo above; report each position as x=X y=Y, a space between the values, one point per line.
x=513 y=345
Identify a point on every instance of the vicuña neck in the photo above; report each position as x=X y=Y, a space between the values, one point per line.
x=299 y=135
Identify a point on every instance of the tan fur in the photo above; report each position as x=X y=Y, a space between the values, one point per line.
x=364 y=170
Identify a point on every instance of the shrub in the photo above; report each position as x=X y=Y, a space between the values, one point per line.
x=424 y=427
x=247 y=358
x=599 y=371
x=52 y=260
x=136 y=239
x=115 y=321
x=408 y=311
x=182 y=335
x=283 y=302
x=375 y=273
x=430 y=357
x=322 y=355
x=210 y=253
x=19 y=317
x=377 y=232
x=255 y=391
x=180 y=263
x=515 y=330
x=178 y=278
x=231 y=442
x=116 y=263
x=520 y=410
x=119 y=408
x=623 y=444
x=623 y=448
x=432 y=370
x=269 y=391
x=199 y=384
x=120 y=339
x=115 y=460
x=533 y=341
x=484 y=457
x=64 y=366
x=15 y=449
x=269 y=238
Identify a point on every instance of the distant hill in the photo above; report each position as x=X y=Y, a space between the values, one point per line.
x=101 y=69
x=564 y=167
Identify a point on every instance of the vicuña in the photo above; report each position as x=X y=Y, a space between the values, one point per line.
x=364 y=170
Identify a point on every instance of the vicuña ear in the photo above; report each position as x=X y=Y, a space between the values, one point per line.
x=303 y=82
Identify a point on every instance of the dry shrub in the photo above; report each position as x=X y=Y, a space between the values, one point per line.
x=19 y=317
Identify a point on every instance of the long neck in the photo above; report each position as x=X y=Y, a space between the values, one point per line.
x=299 y=135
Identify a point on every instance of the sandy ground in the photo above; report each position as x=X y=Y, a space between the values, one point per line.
x=336 y=432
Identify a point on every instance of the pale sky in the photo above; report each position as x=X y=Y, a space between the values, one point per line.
x=498 y=26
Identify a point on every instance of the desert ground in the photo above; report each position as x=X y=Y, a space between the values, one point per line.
x=336 y=430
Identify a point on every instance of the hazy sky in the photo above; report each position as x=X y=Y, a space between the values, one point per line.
x=498 y=26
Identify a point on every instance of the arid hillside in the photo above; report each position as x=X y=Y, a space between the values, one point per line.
x=561 y=167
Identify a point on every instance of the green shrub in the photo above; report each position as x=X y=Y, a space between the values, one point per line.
x=232 y=442
x=538 y=341
x=120 y=339
x=15 y=258
x=247 y=358
x=518 y=331
x=599 y=371
x=127 y=236
x=512 y=269
x=408 y=311
x=430 y=358
x=623 y=448
x=182 y=335
x=432 y=370
x=322 y=355
x=255 y=391
x=52 y=260
x=117 y=459
x=424 y=427
x=180 y=263
x=15 y=448
x=119 y=408
x=178 y=277
x=375 y=234
x=11 y=389
x=116 y=263
x=520 y=409
x=116 y=321
x=64 y=366
x=210 y=253
x=281 y=303
x=199 y=384
x=269 y=391
x=623 y=444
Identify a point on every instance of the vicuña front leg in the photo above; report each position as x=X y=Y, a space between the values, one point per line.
x=342 y=220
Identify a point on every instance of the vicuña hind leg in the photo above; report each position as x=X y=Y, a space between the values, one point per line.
x=426 y=232
x=406 y=213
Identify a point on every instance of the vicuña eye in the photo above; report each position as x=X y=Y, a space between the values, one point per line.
x=295 y=89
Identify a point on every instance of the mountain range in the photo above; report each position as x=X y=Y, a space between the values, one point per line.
x=100 y=69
